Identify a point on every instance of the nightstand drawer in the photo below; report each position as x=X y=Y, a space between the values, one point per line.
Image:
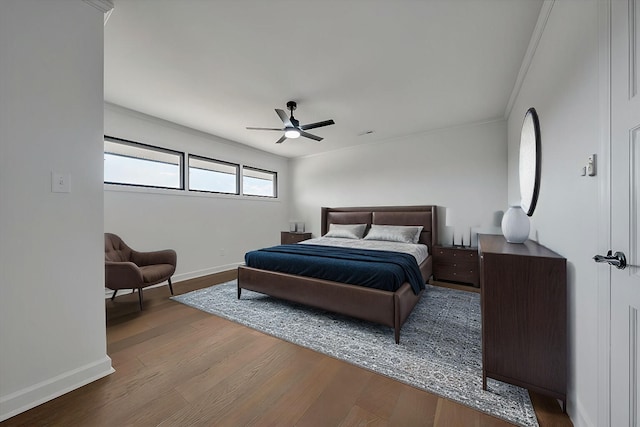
x=289 y=237
x=456 y=264
x=456 y=272
x=456 y=254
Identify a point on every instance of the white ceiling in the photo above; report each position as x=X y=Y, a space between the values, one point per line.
x=397 y=67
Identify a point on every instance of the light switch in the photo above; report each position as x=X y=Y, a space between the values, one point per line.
x=591 y=165
x=60 y=182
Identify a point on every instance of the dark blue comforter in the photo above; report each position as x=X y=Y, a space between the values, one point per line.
x=384 y=270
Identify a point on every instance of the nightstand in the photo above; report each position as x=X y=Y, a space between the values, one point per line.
x=291 y=237
x=456 y=264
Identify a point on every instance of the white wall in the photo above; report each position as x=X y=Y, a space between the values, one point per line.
x=462 y=168
x=52 y=324
x=562 y=83
x=210 y=233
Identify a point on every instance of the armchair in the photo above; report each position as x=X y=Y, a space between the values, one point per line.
x=126 y=268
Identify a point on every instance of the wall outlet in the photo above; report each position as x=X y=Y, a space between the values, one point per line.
x=60 y=182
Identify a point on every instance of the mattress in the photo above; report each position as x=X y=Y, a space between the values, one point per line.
x=420 y=252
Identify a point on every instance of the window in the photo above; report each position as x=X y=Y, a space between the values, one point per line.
x=136 y=164
x=256 y=182
x=212 y=175
x=132 y=163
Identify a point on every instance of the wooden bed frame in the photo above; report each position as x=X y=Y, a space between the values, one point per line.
x=383 y=307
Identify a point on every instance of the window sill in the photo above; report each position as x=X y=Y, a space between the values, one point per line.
x=184 y=193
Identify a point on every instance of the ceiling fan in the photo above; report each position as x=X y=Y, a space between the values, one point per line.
x=292 y=127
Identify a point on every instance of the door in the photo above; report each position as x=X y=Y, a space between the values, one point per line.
x=625 y=211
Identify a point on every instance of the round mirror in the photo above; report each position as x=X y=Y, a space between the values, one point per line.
x=529 y=167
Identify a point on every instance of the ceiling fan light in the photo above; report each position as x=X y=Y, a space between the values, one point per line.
x=292 y=133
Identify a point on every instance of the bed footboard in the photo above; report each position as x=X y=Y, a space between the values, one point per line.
x=374 y=305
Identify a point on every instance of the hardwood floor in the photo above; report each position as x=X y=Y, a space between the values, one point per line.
x=178 y=366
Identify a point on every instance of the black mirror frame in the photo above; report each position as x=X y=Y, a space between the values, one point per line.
x=537 y=144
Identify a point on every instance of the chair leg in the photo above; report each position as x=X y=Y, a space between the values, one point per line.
x=170 y=286
x=140 y=297
x=114 y=294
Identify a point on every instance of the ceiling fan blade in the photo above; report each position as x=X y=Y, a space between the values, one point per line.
x=252 y=128
x=282 y=138
x=317 y=124
x=283 y=116
x=310 y=136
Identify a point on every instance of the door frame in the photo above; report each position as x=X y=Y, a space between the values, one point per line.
x=604 y=213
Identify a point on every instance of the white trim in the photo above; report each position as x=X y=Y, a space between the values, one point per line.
x=107 y=15
x=187 y=193
x=37 y=394
x=205 y=272
x=633 y=80
x=185 y=276
x=578 y=417
x=102 y=5
x=604 y=214
x=538 y=30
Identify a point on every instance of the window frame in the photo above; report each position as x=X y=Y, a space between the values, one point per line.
x=275 y=182
x=184 y=160
x=209 y=159
x=180 y=154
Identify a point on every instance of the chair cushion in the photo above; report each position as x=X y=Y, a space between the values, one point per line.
x=157 y=273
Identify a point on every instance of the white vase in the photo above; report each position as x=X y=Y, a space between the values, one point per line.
x=515 y=225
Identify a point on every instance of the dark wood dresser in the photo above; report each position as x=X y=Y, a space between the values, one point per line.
x=291 y=237
x=524 y=315
x=456 y=264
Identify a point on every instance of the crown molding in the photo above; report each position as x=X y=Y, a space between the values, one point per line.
x=538 y=30
x=102 y=5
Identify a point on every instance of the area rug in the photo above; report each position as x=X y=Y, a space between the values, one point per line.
x=440 y=347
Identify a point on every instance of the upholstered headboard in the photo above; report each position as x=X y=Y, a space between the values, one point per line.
x=426 y=216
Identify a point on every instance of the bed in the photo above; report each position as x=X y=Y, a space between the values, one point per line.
x=386 y=307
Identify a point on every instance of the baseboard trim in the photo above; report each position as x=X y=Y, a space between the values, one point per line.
x=579 y=417
x=37 y=394
x=206 y=272
x=198 y=274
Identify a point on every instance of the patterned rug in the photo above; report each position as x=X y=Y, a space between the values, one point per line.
x=440 y=344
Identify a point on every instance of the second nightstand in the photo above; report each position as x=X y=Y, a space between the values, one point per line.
x=456 y=264
x=291 y=237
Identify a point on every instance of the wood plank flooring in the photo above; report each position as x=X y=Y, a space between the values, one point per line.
x=178 y=366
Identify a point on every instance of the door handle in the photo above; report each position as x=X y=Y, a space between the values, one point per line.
x=618 y=260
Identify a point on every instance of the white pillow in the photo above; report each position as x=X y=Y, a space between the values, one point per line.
x=395 y=233
x=346 y=231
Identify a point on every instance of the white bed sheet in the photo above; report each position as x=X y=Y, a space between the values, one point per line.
x=420 y=252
